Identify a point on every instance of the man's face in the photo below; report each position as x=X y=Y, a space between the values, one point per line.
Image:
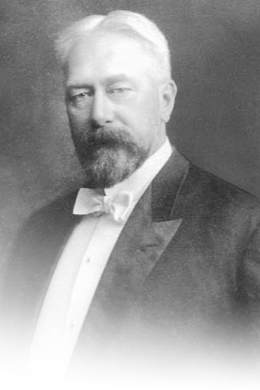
x=114 y=106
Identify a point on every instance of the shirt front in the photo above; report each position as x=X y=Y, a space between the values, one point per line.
x=79 y=270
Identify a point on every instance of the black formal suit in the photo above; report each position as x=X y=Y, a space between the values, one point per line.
x=187 y=262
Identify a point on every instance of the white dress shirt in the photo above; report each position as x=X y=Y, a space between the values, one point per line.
x=78 y=273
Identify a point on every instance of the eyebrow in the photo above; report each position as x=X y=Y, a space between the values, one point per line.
x=120 y=77
x=109 y=80
x=78 y=86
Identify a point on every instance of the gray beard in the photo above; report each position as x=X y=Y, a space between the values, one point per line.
x=108 y=156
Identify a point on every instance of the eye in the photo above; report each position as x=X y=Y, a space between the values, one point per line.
x=119 y=90
x=77 y=97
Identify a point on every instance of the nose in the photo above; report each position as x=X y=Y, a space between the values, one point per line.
x=102 y=110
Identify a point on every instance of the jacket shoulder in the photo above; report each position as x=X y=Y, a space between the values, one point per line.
x=219 y=187
x=217 y=194
x=45 y=227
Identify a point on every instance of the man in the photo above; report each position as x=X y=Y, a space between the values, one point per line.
x=153 y=248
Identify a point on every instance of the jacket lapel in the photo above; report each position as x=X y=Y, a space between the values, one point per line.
x=146 y=235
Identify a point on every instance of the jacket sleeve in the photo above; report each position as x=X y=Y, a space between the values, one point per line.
x=249 y=283
x=12 y=281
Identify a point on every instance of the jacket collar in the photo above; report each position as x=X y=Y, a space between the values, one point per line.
x=167 y=190
x=166 y=187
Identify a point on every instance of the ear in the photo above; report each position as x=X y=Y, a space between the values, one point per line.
x=167 y=91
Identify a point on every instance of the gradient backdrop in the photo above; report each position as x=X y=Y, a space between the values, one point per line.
x=216 y=65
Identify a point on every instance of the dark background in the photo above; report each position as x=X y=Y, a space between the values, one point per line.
x=216 y=65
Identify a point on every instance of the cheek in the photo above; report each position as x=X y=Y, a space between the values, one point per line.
x=149 y=116
x=77 y=118
x=142 y=118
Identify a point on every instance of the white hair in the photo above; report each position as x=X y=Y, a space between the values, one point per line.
x=124 y=22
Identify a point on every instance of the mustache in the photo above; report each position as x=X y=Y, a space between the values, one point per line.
x=107 y=136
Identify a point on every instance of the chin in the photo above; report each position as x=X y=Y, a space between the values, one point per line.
x=106 y=167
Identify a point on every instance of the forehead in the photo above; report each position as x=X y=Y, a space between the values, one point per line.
x=107 y=54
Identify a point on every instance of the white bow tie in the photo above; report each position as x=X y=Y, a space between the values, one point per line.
x=89 y=202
